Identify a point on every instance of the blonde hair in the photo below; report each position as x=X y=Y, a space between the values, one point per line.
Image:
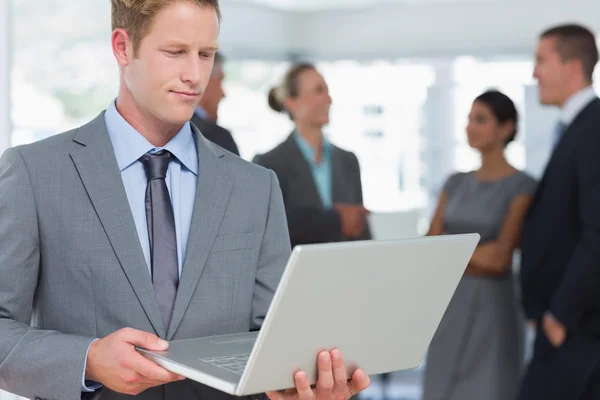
x=136 y=16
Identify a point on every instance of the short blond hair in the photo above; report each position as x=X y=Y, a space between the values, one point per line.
x=136 y=16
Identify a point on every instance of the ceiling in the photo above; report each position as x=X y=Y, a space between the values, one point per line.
x=367 y=29
x=329 y=5
x=314 y=5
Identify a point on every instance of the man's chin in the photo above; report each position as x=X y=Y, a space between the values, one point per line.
x=180 y=115
x=542 y=99
x=545 y=100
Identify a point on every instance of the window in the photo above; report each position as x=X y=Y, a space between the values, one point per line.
x=373 y=109
x=473 y=77
x=64 y=72
x=245 y=110
x=376 y=113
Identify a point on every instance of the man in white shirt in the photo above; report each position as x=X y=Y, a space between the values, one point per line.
x=560 y=271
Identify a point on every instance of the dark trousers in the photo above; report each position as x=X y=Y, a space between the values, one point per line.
x=570 y=372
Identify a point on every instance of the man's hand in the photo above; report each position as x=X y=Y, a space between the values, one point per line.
x=554 y=330
x=332 y=382
x=114 y=362
x=353 y=219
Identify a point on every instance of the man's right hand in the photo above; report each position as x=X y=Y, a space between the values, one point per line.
x=114 y=362
x=353 y=219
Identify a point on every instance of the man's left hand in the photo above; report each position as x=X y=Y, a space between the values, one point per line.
x=332 y=382
x=554 y=330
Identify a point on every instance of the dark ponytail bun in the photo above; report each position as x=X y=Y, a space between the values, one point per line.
x=274 y=101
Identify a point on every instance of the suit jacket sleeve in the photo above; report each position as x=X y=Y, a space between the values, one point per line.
x=306 y=224
x=578 y=292
x=33 y=363
x=274 y=253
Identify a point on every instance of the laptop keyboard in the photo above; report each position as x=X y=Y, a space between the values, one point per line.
x=235 y=364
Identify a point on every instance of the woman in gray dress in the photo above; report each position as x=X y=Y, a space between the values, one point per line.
x=477 y=351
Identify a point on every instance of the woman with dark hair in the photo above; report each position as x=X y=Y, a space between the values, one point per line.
x=320 y=182
x=477 y=351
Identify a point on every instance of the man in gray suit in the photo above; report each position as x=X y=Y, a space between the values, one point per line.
x=134 y=230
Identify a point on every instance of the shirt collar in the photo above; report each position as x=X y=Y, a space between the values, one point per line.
x=130 y=145
x=575 y=104
x=307 y=149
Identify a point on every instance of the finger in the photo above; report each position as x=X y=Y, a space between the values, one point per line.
x=150 y=370
x=360 y=381
x=144 y=339
x=303 y=387
x=558 y=339
x=340 y=377
x=274 y=395
x=325 y=381
x=133 y=380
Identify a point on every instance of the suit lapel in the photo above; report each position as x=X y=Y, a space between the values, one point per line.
x=212 y=194
x=565 y=142
x=96 y=164
x=338 y=185
x=302 y=175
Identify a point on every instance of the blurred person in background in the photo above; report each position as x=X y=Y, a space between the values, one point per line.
x=206 y=113
x=321 y=183
x=560 y=272
x=477 y=351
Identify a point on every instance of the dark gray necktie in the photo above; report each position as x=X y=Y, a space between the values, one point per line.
x=161 y=233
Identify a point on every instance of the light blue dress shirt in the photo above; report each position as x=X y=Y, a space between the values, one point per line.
x=182 y=178
x=321 y=172
x=571 y=109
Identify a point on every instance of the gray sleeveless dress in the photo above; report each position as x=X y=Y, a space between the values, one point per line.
x=477 y=351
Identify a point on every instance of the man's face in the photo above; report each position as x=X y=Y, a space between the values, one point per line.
x=552 y=73
x=174 y=61
x=214 y=93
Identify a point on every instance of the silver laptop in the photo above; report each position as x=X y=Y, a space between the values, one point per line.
x=379 y=302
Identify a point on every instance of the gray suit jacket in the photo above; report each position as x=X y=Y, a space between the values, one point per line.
x=71 y=260
x=308 y=220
